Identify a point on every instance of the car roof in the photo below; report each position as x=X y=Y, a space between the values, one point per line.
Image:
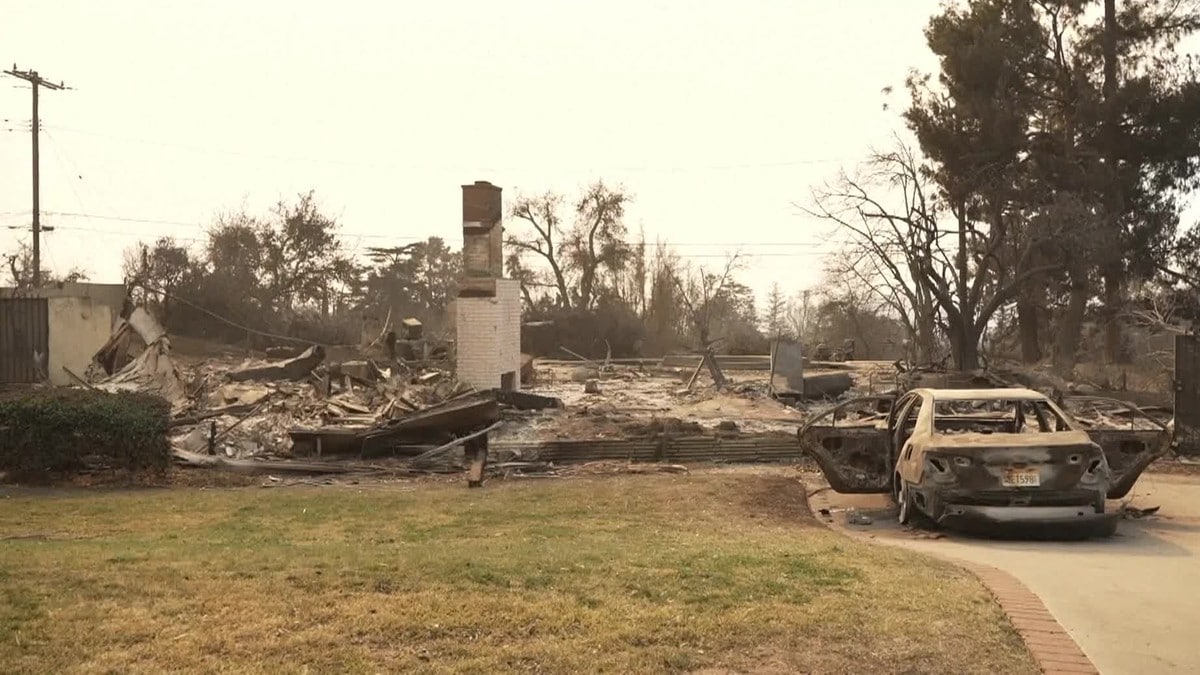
x=1010 y=394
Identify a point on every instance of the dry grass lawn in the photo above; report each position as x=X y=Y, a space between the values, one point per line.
x=713 y=571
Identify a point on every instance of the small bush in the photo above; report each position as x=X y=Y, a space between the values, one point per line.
x=60 y=431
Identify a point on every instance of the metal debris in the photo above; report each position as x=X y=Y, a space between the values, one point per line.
x=857 y=518
x=1135 y=513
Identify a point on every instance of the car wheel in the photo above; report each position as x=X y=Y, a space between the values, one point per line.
x=904 y=500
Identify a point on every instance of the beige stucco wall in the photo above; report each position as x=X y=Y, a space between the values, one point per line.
x=109 y=295
x=79 y=327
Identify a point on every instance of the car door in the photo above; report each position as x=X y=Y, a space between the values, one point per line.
x=1131 y=439
x=902 y=425
x=850 y=442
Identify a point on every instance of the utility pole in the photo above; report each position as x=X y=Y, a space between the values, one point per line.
x=37 y=81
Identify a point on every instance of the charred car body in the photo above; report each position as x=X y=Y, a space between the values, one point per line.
x=986 y=457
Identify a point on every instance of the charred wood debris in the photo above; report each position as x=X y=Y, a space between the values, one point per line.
x=303 y=414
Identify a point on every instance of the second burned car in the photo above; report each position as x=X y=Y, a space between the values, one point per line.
x=984 y=457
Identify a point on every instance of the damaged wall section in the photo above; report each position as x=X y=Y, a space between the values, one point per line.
x=39 y=337
x=78 y=327
x=77 y=320
x=111 y=296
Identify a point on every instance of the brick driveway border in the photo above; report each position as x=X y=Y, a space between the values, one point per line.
x=1054 y=650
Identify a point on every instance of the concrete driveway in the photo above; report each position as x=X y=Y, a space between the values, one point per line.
x=1129 y=601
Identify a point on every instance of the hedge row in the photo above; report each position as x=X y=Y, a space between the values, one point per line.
x=58 y=431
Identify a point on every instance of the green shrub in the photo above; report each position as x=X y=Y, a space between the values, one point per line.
x=58 y=431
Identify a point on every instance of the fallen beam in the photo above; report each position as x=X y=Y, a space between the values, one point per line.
x=209 y=414
x=725 y=361
x=78 y=380
x=255 y=466
x=615 y=362
x=456 y=416
x=430 y=454
x=580 y=357
x=292 y=369
x=525 y=401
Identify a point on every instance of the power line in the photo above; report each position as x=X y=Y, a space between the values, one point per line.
x=62 y=163
x=123 y=219
x=359 y=249
x=392 y=237
x=37 y=83
x=117 y=232
x=201 y=226
x=61 y=151
x=460 y=167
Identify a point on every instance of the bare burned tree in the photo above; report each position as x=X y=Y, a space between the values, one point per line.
x=702 y=292
x=847 y=309
x=631 y=280
x=525 y=276
x=928 y=257
x=801 y=317
x=163 y=266
x=576 y=257
x=541 y=213
x=19 y=265
x=775 y=314
x=857 y=274
x=664 y=316
x=884 y=253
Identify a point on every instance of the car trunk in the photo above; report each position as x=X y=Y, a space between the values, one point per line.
x=1033 y=469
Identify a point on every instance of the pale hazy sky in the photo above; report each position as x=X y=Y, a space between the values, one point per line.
x=716 y=115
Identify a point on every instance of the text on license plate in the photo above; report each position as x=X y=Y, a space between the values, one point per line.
x=1022 y=478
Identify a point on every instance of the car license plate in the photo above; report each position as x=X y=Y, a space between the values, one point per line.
x=1022 y=478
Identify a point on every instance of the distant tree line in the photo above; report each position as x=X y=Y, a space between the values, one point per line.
x=289 y=273
x=587 y=284
x=593 y=288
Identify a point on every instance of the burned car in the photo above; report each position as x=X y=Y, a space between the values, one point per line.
x=987 y=456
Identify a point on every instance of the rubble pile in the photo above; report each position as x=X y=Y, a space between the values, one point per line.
x=296 y=406
x=262 y=403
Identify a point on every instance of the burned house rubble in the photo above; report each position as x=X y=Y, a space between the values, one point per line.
x=307 y=411
x=312 y=409
x=402 y=403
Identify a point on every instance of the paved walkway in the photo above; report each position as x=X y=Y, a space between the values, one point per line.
x=1130 y=602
